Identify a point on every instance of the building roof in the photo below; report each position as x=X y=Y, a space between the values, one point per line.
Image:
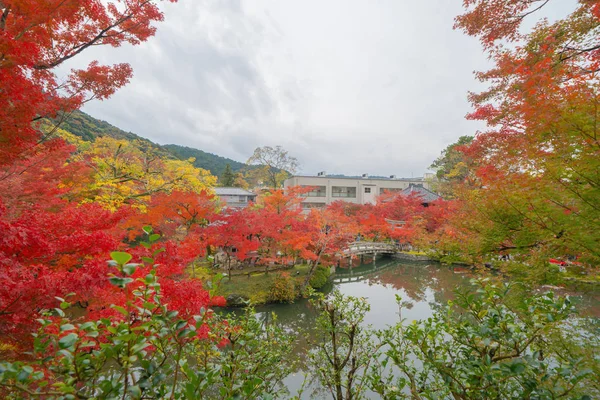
x=418 y=190
x=372 y=178
x=232 y=191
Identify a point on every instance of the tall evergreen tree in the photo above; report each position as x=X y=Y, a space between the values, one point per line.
x=227 y=179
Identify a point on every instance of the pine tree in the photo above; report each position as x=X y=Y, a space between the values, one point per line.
x=227 y=179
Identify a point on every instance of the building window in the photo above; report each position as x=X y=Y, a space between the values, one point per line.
x=316 y=191
x=367 y=190
x=343 y=191
x=390 y=190
x=308 y=206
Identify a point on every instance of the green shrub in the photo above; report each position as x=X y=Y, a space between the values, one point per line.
x=320 y=277
x=259 y=297
x=537 y=273
x=201 y=272
x=490 y=344
x=151 y=353
x=283 y=289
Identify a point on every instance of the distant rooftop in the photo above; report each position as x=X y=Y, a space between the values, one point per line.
x=232 y=191
x=418 y=190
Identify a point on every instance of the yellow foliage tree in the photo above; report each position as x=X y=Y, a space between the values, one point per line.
x=129 y=172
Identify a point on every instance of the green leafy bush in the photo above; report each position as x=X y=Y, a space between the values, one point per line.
x=320 y=277
x=283 y=289
x=487 y=344
x=484 y=345
x=492 y=342
x=259 y=297
x=150 y=352
x=344 y=346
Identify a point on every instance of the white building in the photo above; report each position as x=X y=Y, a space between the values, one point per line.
x=360 y=190
x=235 y=197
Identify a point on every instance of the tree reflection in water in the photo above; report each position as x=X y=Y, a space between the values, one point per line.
x=425 y=285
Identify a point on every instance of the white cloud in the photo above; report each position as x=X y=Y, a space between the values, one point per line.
x=345 y=86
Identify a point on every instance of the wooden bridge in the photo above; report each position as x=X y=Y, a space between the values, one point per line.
x=360 y=248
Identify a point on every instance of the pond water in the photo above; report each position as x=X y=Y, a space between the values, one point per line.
x=426 y=285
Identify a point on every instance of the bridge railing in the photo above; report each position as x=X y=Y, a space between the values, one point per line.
x=364 y=247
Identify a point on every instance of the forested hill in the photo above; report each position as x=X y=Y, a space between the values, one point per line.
x=89 y=128
x=212 y=162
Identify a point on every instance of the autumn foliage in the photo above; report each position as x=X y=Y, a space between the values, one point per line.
x=65 y=204
x=529 y=185
x=533 y=183
x=55 y=234
x=51 y=245
x=36 y=37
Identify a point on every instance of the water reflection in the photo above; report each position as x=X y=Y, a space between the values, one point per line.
x=425 y=285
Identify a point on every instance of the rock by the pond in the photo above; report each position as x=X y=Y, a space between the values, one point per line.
x=236 y=300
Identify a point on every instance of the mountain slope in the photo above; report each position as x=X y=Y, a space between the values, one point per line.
x=89 y=128
x=216 y=164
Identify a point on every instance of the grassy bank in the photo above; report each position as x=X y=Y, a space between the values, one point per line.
x=256 y=287
x=533 y=271
x=279 y=284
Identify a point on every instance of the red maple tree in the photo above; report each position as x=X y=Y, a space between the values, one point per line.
x=537 y=180
x=37 y=36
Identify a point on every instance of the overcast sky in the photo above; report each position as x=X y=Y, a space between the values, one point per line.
x=348 y=87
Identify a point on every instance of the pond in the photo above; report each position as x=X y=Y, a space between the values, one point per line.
x=426 y=285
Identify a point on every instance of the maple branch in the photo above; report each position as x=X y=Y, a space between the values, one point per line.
x=590 y=181
x=4 y=16
x=9 y=174
x=101 y=35
x=32 y=25
x=571 y=189
x=577 y=52
x=4 y=312
x=541 y=224
x=24 y=389
x=132 y=27
x=79 y=48
x=529 y=246
x=523 y=16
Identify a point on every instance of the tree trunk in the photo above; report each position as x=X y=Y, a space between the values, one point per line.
x=311 y=271
x=229 y=267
